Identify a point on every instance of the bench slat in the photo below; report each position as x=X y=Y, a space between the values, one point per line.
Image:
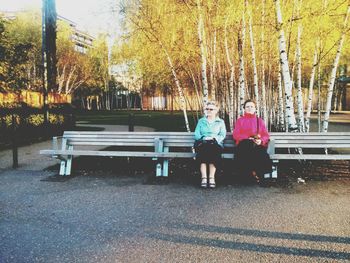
x=108 y=143
x=310 y=156
x=118 y=153
x=190 y=155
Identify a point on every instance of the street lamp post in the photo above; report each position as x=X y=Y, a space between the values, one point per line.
x=49 y=61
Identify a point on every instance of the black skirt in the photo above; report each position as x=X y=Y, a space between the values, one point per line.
x=209 y=152
x=251 y=157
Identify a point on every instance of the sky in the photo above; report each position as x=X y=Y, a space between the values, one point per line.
x=92 y=16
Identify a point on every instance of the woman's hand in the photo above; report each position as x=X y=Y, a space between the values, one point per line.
x=257 y=141
x=208 y=138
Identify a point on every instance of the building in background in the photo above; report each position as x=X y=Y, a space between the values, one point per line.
x=82 y=40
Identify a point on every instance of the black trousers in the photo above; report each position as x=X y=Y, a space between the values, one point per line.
x=251 y=157
x=209 y=153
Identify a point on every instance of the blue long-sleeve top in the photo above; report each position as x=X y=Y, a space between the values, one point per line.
x=215 y=129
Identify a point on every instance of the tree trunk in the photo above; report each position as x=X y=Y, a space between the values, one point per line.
x=197 y=93
x=213 y=70
x=255 y=71
x=263 y=107
x=241 y=38
x=291 y=122
x=311 y=88
x=280 y=102
x=201 y=37
x=179 y=88
x=61 y=79
x=68 y=82
x=333 y=74
x=319 y=96
x=301 y=124
x=231 y=111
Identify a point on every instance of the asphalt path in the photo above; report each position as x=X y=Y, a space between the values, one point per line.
x=106 y=218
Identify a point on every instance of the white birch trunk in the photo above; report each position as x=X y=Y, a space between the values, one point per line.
x=69 y=79
x=213 y=70
x=61 y=79
x=311 y=88
x=241 y=38
x=263 y=80
x=333 y=75
x=301 y=124
x=255 y=71
x=201 y=38
x=263 y=93
x=293 y=70
x=231 y=81
x=196 y=89
x=280 y=101
x=98 y=106
x=291 y=121
x=179 y=88
x=319 y=96
x=177 y=82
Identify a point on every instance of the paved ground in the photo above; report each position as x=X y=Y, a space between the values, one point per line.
x=106 y=217
x=121 y=219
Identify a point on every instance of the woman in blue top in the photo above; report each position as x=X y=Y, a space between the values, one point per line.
x=209 y=135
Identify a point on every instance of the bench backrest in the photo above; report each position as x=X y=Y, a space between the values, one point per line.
x=184 y=139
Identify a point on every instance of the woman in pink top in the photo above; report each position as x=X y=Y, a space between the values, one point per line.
x=252 y=138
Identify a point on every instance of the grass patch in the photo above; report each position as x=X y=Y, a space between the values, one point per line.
x=159 y=120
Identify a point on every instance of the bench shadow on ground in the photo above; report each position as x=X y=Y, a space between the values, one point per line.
x=185 y=171
x=192 y=239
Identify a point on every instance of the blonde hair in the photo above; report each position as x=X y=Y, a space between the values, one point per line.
x=213 y=102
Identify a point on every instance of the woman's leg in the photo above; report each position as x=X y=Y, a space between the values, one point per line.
x=203 y=169
x=264 y=163
x=212 y=170
x=243 y=158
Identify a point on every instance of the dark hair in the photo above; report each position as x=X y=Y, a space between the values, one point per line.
x=249 y=100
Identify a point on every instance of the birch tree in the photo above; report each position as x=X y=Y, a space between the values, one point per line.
x=242 y=85
x=311 y=88
x=231 y=81
x=280 y=101
x=213 y=68
x=201 y=38
x=255 y=71
x=263 y=88
x=301 y=124
x=291 y=122
x=151 y=32
x=334 y=72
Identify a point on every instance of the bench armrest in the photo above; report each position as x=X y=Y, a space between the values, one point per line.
x=55 y=140
x=271 y=147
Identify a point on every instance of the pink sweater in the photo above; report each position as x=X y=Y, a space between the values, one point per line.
x=246 y=126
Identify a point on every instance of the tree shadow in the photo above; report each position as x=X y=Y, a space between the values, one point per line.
x=247 y=246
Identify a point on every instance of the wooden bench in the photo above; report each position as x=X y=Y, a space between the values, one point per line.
x=164 y=146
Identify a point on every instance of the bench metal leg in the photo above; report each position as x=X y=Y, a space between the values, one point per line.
x=165 y=163
x=159 y=169
x=63 y=167
x=274 y=173
x=158 y=147
x=69 y=161
x=63 y=162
